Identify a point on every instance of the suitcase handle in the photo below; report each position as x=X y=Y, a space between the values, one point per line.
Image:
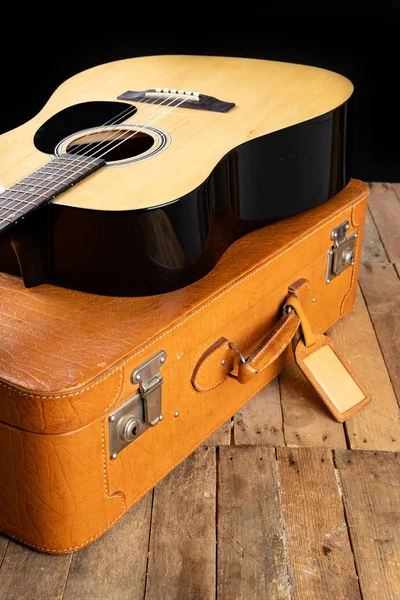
x=217 y=363
x=268 y=350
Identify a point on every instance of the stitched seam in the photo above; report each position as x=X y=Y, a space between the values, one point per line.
x=70 y=395
x=321 y=391
x=202 y=366
x=92 y=539
x=240 y=281
x=103 y=454
x=203 y=389
x=119 y=389
x=339 y=415
x=181 y=460
x=203 y=307
x=66 y=550
x=208 y=435
x=357 y=248
x=80 y=424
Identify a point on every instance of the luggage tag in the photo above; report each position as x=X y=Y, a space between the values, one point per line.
x=327 y=370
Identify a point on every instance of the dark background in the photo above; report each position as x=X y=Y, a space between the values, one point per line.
x=364 y=47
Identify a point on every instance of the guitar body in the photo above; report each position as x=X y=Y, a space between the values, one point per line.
x=183 y=175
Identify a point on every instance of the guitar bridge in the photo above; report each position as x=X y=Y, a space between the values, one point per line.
x=178 y=97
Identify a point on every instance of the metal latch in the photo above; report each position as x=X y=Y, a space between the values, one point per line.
x=141 y=411
x=341 y=255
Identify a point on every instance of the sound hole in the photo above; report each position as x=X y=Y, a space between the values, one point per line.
x=112 y=144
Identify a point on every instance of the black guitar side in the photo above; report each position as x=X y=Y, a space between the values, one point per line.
x=154 y=251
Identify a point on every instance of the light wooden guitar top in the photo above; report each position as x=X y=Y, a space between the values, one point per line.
x=268 y=95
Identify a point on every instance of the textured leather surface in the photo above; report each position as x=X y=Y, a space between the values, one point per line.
x=66 y=360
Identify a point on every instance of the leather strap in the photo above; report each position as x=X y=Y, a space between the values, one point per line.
x=218 y=361
x=268 y=350
x=306 y=328
x=213 y=366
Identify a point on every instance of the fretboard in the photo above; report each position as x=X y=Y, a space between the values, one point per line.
x=41 y=186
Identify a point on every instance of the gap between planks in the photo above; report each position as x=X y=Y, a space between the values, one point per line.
x=366 y=302
x=384 y=204
x=271 y=540
x=368 y=338
x=379 y=278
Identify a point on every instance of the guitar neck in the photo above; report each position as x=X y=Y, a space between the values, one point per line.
x=44 y=184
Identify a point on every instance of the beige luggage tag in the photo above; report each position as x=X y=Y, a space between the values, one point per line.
x=326 y=369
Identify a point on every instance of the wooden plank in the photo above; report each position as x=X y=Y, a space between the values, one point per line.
x=182 y=542
x=385 y=209
x=396 y=189
x=3 y=547
x=251 y=553
x=114 y=566
x=260 y=420
x=371 y=492
x=222 y=436
x=306 y=420
x=32 y=575
x=372 y=248
x=376 y=426
x=318 y=545
x=380 y=285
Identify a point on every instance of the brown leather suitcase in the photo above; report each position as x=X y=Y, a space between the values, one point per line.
x=101 y=397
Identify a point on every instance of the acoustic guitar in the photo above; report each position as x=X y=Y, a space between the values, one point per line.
x=138 y=174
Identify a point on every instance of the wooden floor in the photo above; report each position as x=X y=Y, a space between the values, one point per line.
x=283 y=502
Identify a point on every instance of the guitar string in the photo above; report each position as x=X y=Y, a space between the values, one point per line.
x=136 y=132
x=9 y=208
x=163 y=113
x=145 y=113
x=12 y=210
x=178 y=121
x=16 y=197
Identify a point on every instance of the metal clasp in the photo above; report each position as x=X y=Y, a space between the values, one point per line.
x=143 y=410
x=341 y=255
x=236 y=349
x=150 y=380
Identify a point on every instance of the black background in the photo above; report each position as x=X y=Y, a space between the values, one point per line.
x=361 y=42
